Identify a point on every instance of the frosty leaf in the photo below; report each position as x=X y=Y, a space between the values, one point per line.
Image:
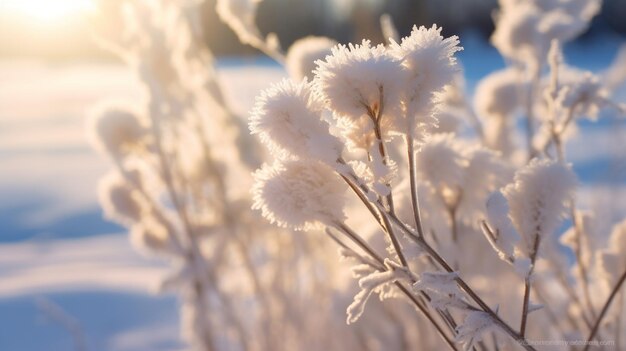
x=375 y=281
x=357 y=307
x=361 y=270
x=471 y=331
x=440 y=282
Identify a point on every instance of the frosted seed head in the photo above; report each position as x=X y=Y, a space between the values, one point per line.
x=288 y=119
x=118 y=199
x=538 y=198
x=498 y=95
x=430 y=65
x=357 y=81
x=440 y=162
x=301 y=195
x=117 y=131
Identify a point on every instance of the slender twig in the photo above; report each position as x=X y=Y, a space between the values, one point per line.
x=376 y=115
x=413 y=182
x=618 y=324
x=365 y=247
x=424 y=245
x=194 y=253
x=71 y=324
x=582 y=266
x=527 y=285
x=464 y=286
x=530 y=119
x=605 y=309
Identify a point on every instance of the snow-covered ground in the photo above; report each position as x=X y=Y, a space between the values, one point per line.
x=56 y=250
x=54 y=245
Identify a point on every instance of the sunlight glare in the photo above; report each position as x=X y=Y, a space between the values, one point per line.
x=47 y=10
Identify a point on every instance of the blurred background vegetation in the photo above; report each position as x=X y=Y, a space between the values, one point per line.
x=344 y=20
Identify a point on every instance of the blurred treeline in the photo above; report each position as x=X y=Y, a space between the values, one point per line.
x=344 y=20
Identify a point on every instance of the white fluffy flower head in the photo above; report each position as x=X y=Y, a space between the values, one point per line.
x=358 y=78
x=429 y=60
x=538 y=198
x=499 y=94
x=288 y=119
x=117 y=131
x=118 y=199
x=301 y=195
x=439 y=161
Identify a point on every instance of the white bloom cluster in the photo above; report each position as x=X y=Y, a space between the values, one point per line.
x=366 y=90
x=391 y=123
x=497 y=99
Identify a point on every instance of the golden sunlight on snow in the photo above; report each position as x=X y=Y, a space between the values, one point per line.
x=47 y=10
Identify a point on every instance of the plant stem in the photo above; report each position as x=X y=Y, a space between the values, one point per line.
x=413 y=181
x=605 y=309
x=363 y=245
x=527 y=285
x=530 y=119
x=582 y=267
x=497 y=320
x=424 y=245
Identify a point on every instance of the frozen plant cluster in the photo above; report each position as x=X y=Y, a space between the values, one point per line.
x=430 y=195
x=434 y=197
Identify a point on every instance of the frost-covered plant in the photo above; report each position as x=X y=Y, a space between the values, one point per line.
x=378 y=103
x=432 y=201
x=181 y=181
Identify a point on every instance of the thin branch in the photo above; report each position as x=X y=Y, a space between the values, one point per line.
x=498 y=321
x=527 y=284
x=605 y=309
x=413 y=182
x=363 y=245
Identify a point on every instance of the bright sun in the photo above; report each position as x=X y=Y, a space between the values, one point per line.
x=47 y=10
